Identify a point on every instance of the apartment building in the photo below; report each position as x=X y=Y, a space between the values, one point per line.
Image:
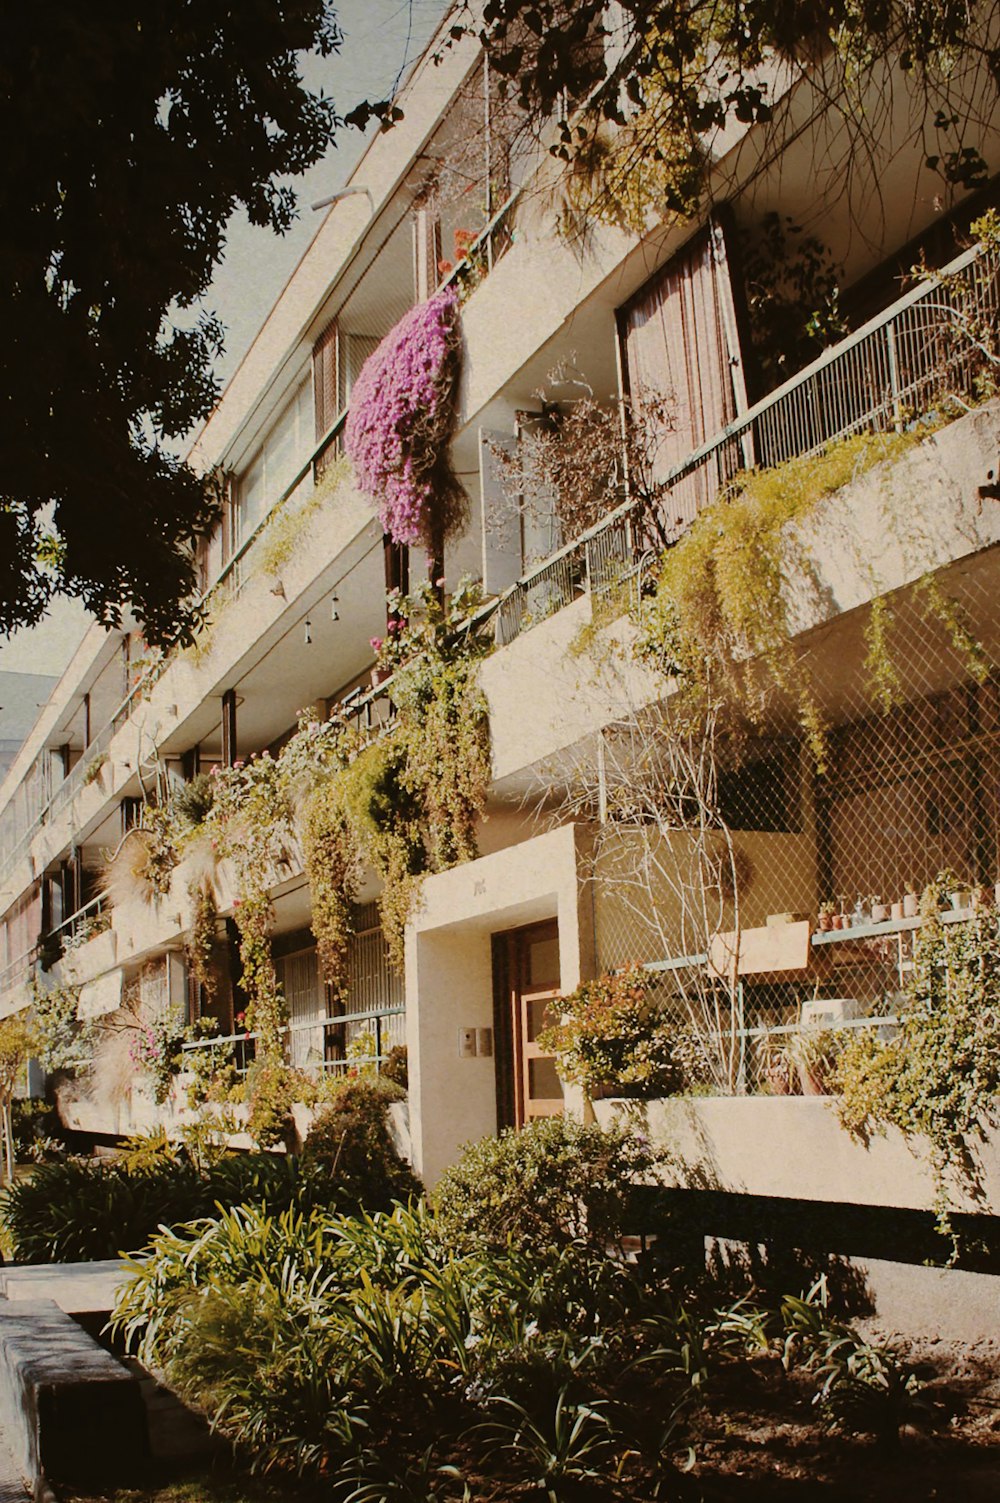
x=583 y=863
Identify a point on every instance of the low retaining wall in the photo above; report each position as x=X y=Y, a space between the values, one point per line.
x=794 y=1147
x=69 y=1411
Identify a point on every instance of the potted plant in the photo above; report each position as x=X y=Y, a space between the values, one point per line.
x=812 y=1052
x=880 y=911
x=951 y=886
x=776 y=1068
x=911 y=900
x=827 y=911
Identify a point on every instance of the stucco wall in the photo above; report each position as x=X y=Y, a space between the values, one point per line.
x=449 y=979
x=792 y=1147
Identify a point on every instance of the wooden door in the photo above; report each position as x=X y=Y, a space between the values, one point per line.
x=527 y=988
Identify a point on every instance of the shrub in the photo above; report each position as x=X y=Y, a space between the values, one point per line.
x=609 y=1036
x=81 y=1209
x=395 y=1068
x=272 y=1090
x=350 y=1142
x=548 y=1183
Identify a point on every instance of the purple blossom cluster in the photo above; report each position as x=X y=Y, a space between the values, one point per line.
x=402 y=408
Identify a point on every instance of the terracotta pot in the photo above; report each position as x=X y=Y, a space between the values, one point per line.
x=812 y=1082
x=911 y=905
x=826 y=922
x=379 y=676
x=839 y=920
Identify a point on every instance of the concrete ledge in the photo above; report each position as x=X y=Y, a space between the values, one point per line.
x=77 y=1288
x=794 y=1147
x=69 y=1411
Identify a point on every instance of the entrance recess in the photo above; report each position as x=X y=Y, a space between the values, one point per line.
x=526 y=984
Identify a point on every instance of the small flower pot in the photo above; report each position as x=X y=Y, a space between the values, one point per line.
x=982 y=897
x=960 y=899
x=379 y=676
x=911 y=905
x=812 y=1082
x=897 y=910
x=880 y=912
x=839 y=920
x=825 y=922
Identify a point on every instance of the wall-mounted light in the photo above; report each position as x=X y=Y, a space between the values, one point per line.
x=308 y=632
x=334 y=613
x=332 y=198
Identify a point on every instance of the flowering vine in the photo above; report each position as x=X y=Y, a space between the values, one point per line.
x=401 y=421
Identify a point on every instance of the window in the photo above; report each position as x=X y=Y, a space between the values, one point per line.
x=288 y=444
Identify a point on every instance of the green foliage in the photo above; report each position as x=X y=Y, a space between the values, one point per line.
x=201 y=940
x=609 y=1036
x=395 y=1068
x=83 y=1209
x=350 y=1142
x=330 y=853
x=191 y=802
x=792 y=291
x=250 y=821
x=938 y=1077
x=372 y=1353
x=107 y=367
x=551 y=1182
x=646 y=108
x=719 y=617
x=272 y=1090
x=63 y=1039
x=38 y=1133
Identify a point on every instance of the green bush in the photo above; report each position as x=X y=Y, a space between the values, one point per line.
x=350 y=1143
x=551 y=1182
x=80 y=1209
x=272 y=1090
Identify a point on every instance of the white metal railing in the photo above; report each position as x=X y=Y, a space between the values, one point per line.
x=239 y=1047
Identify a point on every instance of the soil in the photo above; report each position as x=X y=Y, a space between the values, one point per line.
x=757 y=1438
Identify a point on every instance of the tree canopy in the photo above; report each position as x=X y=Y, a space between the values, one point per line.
x=650 y=81
x=131 y=133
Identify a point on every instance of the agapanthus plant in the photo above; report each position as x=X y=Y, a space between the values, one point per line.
x=401 y=422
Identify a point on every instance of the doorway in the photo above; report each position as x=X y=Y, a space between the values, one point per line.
x=526 y=986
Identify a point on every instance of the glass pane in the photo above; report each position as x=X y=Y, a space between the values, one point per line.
x=543 y=962
x=543 y=1080
x=539 y=1014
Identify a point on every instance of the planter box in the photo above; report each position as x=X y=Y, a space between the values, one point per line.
x=792 y=1147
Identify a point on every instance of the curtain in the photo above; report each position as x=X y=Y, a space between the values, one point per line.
x=680 y=345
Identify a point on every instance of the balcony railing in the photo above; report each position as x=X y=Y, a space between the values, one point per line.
x=238 y=1048
x=925 y=351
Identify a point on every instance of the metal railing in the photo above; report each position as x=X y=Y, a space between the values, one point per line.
x=493 y=241
x=93 y=918
x=238 y=1048
x=904 y=365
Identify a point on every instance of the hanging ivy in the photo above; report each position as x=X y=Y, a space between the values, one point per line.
x=200 y=947
x=331 y=857
x=250 y=817
x=718 y=620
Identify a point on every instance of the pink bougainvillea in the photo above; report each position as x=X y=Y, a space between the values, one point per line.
x=401 y=422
